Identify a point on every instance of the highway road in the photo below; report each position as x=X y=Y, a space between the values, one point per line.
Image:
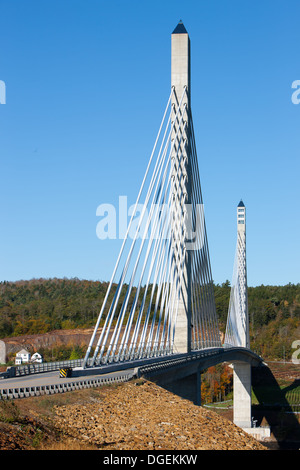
x=180 y=365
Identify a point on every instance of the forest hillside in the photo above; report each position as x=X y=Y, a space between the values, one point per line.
x=42 y=305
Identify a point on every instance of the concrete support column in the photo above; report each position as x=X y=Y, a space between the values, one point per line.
x=242 y=395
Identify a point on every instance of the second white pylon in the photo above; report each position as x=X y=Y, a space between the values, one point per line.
x=237 y=330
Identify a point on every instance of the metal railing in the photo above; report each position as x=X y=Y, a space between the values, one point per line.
x=24 y=392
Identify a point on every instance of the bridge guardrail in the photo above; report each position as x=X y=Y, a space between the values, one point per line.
x=169 y=362
x=193 y=356
x=24 y=392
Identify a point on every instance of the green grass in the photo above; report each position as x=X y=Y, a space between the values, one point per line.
x=268 y=396
x=282 y=396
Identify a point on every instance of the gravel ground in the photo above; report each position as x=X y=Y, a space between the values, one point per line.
x=142 y=416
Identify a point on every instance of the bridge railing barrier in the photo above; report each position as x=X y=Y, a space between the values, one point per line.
x=24 y=392
x=37 y=368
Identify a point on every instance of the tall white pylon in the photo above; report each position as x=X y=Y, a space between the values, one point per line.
x=181 y=178
x=160 y=298
x=237 y=330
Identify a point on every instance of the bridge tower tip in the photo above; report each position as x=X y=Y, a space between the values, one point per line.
x=180 y=29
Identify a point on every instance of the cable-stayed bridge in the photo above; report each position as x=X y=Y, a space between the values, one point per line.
x=159 y=316
x=159 y=310
x=160 y=298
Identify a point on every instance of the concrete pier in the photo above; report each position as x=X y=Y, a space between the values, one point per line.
x=242 y=395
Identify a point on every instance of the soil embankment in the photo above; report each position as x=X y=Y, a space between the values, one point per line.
x=138 y=415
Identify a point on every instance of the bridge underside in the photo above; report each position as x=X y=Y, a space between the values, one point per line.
x=184 y=378
x=184 y=365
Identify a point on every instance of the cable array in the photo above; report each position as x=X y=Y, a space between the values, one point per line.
x=205 y=331
x=236 y=329
x=139 y=312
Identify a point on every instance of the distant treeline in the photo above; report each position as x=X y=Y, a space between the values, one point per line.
x=42 y=305
x=274 y=315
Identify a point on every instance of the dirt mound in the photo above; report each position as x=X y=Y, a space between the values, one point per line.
x=138 y=415
x=142 y=416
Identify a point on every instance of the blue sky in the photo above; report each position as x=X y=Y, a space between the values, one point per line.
x=86 y=85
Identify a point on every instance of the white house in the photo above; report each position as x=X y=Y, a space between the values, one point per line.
x=37 y=357
x=22 y=357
